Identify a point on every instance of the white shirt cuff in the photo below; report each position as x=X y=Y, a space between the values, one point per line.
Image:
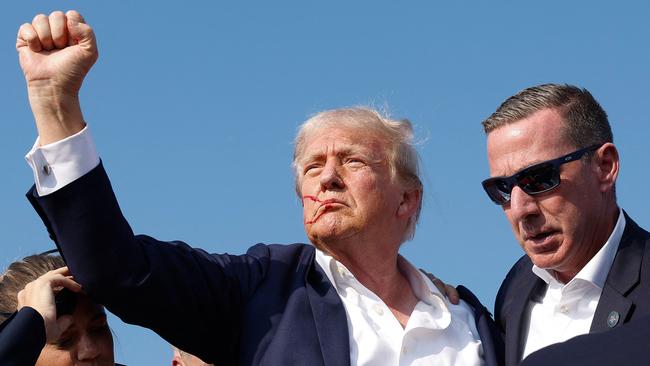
x=60 y=163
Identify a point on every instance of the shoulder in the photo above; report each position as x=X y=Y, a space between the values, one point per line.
x=522 y=268
x=484 y=326
x=472 y=302
x=282 y=251
x=520 y=271
x=283 y=257
x=633 y=231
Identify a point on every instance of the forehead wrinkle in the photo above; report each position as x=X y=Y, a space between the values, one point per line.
x=340 y=150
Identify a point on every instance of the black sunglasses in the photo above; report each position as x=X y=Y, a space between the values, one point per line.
x=535 y=179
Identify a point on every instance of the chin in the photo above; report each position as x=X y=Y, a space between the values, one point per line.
x=545 y=260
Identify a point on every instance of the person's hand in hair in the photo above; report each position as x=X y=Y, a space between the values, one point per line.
x=40 y=295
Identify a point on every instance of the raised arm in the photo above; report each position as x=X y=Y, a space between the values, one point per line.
x=191 y=298
x=56 y=52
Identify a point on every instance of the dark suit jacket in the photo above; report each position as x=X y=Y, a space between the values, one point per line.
x=626 y=291
x=625 y=345
x=272 y=306
x=22 y=336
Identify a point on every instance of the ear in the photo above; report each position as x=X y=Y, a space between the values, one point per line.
x=607 y=161
x=411 y=201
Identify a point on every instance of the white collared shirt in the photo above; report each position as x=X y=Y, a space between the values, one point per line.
x=437 y=332
x=567 y=310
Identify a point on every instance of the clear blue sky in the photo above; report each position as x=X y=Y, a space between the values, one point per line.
x=194 y=106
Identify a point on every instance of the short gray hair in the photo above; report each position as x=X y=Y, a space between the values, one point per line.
x=585 y=120
x=403 y=159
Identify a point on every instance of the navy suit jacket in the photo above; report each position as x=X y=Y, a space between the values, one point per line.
x=271 y=306
x=22 y=336
x=626 y=293
x=626 y=345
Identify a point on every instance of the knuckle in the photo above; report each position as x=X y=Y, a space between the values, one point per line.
x=39 y=18
x=26 y=31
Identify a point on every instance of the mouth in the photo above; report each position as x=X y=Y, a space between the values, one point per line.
x=323 y=207
x=542 y=241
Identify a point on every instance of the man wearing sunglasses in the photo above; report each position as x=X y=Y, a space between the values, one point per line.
x=553 y=168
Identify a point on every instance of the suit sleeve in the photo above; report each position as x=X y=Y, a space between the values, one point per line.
x=22 y=337
x=191 y=298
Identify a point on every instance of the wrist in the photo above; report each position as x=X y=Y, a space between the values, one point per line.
x=57 y=113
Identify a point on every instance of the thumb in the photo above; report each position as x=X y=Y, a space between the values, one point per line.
x=80 y=33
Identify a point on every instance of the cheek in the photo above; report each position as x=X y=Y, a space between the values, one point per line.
x=104 y=342
x=51 y=356
x=308 y=207
x=511 y=221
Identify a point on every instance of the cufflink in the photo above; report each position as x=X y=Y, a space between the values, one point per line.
x=47 y=170
x=612 y=319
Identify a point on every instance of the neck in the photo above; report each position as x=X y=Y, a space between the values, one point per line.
x=603 y=229
x=375 y=267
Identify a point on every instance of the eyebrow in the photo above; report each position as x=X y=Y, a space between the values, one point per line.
x=96 y=316
x=344 y=151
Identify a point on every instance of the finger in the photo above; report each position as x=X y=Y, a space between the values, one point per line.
x=62 y=271
x=66 y=282
x=42 y=25
x=452 y=294
x=80 y=32
x=439 y=284
x=59 y=29
x=21 y=299
x=75 y=14
x=27 y=36
x=429 y=275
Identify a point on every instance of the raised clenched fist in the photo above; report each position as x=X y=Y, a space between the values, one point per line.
x=56 y=51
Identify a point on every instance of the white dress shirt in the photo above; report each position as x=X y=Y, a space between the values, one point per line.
x=437 y=332
x=567 y=310
x=60 y=163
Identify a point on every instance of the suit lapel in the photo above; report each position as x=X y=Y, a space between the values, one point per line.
x=622 y=277
x=528 y=289
x=329 y=317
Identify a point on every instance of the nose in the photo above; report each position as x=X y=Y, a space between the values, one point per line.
x=88 y=348
x=522 y=205
x=330 y=177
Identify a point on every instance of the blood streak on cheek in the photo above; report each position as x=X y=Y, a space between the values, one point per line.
x=323 y=209
x=313 y=198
